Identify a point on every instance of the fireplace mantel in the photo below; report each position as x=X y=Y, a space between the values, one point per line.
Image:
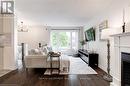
x=121 y=34
x=121 y=44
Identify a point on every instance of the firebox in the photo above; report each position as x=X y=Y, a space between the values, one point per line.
x=125 y=69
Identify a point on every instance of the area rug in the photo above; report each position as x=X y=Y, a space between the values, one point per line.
x=77 y=66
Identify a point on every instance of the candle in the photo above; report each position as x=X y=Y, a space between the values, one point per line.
x=123 y=27
x=123 y=15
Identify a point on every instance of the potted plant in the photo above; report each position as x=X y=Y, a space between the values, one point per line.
x=83 y=42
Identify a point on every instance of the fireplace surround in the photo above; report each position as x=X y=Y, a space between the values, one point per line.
x=120 y=44
x=125 y=69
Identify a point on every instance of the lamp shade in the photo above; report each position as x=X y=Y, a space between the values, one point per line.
x=106 y=33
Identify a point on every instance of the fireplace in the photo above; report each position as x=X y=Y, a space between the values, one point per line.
x=125 y=69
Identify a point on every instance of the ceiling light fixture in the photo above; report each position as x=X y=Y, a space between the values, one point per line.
x=22 y=27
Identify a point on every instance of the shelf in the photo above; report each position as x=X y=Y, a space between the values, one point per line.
x=121 y=34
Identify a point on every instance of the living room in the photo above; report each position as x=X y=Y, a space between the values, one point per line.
x=75 y=31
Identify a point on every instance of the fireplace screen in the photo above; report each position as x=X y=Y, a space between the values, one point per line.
x=125 y=73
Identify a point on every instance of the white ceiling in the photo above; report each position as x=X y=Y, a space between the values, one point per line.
x=59 y=12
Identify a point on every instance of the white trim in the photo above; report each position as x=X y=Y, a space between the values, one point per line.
x=116 y=82
x=102 y=67
x=120 y=45
x=121 y=34
x=63 y=28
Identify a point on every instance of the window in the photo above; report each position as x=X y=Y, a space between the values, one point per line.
x=64 y=39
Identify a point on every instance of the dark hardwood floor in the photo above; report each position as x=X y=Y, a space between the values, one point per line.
x=36 y=77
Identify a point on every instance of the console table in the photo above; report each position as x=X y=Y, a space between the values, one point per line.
x=90 y=58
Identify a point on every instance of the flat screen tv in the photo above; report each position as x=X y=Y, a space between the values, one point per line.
x=90 y=34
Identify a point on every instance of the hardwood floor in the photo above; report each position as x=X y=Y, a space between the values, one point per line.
x=36 y=77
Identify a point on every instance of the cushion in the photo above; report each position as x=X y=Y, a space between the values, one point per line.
x=47 y=49
x=35 y=52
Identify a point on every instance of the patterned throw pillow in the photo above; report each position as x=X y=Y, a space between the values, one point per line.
x=35 y=52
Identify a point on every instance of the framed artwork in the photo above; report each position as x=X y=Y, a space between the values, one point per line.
x=102 y=26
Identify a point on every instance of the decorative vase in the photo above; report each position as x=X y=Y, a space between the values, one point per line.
x=123 y=28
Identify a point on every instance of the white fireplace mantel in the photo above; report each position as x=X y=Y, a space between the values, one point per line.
x=121 y=34
x=121 y=44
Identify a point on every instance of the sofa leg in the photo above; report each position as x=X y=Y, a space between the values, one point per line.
x=26 y=69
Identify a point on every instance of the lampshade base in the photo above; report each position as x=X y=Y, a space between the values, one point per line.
x=108 y=77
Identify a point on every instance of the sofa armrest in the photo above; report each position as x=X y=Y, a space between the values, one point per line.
x=36 y=56
x=35 y=61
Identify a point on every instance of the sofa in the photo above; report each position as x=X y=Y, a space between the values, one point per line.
x=40 y=59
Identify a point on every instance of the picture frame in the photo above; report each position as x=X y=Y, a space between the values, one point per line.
x=102 y=26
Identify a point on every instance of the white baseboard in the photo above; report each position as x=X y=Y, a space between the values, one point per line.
x=112 y=84
x=102 y=67
x=116 y=82
x=11 y=68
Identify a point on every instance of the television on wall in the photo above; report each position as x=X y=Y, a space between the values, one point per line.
x=90 y=34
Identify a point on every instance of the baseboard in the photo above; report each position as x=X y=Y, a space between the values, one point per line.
x=112 y=84
x=10 y=67
x=116 y=82
x=8 y=75
x=102 y=67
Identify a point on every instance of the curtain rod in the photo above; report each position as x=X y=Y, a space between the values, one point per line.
x=65 y=29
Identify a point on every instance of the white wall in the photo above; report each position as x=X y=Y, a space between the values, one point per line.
x=1 y=58
x=35 y=35
x=7 y=52
x=114 y=17
x=1 y=49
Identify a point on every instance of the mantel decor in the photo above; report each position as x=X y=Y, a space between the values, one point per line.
x=123 y=26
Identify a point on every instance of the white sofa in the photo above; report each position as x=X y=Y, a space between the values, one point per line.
x=43 y=61
x=35 y=61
